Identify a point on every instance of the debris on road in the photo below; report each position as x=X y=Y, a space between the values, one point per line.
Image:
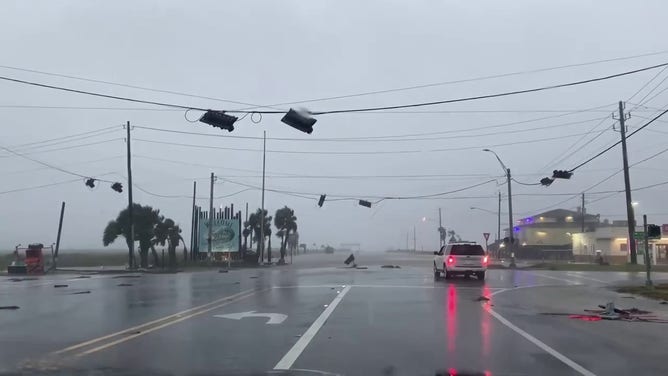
x=22 y=279
x=664 y=302
x=351 y=260
x=223 y=271
x=361 y=267
x=57 y=286
x=9 y=307
x=124 y=284
x=610 y=312
x=482 y=299
x=81 y=292
x=391 y=266
x=82 y=277
x=253 y=277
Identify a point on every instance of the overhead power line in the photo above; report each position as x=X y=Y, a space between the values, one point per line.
x=620 y=141
x=316 y=152
x=489 y=96
x=339 y=111
x=367 y=93
x=40 y=186
x=50 y=165
x=363 y=139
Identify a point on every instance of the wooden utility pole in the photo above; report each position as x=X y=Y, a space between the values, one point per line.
x=131 y=242
x=210 y=236
x=630 y=217
x=60 y=229
x=582 y=213
x=192 y=223
x=264 y=162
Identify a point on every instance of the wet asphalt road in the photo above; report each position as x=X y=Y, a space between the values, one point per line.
x=373 y=321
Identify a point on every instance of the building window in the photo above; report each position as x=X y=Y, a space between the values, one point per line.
x=622 y=247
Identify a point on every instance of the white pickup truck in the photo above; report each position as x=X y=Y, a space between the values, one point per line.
x=460 y=259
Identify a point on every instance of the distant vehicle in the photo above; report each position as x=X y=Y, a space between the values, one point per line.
x=461 y=258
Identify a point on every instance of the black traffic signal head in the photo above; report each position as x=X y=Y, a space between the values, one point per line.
x=561 y=174
x=365 y=203
x=299 y=120
x=90 y=183
x=546 y=181
x=219 y=119
x=322 y=200
x=118 y=187
x=654 y=231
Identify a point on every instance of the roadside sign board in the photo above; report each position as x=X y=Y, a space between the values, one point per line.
x=486 y=235
x=639 y=235
x=225 y=235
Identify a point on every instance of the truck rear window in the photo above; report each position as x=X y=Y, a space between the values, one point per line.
x=467 y=250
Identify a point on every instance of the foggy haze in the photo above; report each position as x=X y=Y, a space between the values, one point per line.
x=278 y=52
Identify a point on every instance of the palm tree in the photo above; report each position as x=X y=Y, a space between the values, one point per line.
x=166 y=231
x=286 y=222
x=145 y=219
x=254 y=221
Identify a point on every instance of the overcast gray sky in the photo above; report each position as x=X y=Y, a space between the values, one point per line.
x=267 y=52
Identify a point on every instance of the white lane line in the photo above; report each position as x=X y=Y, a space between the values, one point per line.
x=563 y=358
x=576 y=275
x=291 y=356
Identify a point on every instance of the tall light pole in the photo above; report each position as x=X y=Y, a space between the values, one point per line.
x=511 y=237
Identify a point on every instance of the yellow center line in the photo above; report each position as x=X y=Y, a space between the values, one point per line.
x=169 y=323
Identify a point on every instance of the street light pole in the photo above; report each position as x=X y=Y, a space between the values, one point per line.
x=511 y=247
x=498 y=220
x=511 y=236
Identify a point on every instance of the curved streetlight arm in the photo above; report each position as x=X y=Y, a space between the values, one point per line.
x=505 y=169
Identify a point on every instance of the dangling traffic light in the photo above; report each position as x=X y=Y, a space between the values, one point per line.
x=546 y=181
x=322 y=200
x=219 y=119
x=118 y=187
x=299 y=120
x=365 y=203
x=90 y=183
x=561 y=174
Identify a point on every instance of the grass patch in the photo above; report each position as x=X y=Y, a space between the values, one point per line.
x=659 y=292
x=596 y=267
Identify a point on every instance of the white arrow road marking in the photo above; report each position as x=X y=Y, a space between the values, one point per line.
x=274 y=318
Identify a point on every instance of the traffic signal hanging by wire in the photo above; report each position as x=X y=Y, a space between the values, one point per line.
x=546 y=181
x=321 y=201
x=561 y=174
x=219 y=119
x=365 y=203
x=299 y=120
x=90 y=183
x=118 y=187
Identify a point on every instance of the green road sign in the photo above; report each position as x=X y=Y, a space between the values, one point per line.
x=639 y=235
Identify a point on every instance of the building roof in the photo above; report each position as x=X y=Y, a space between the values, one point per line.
x=561 y=213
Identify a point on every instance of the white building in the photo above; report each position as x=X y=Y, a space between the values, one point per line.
x=611 y=240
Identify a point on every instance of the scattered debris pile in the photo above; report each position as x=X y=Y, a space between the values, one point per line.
x=610 y=312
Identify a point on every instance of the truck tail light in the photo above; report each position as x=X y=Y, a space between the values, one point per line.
x=484 y=260
x=451 y=260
